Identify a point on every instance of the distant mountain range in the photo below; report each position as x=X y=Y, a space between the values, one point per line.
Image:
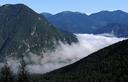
x=97 y=23
x=107 y=65
x=23 y=31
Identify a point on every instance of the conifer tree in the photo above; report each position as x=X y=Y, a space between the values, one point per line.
x=6 y=75
x=23 y=75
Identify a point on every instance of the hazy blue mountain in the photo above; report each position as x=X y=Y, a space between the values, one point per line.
x=115 y=29
x=22 y=31
x=107 y=65
x=47 y=15
x=117 y=16
x=81 y=23
x=71 y=21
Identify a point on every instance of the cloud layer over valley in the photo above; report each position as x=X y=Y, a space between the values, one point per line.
x=64 y=54
x=67 y=54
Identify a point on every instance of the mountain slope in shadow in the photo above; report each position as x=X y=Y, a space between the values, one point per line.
x=107 y=65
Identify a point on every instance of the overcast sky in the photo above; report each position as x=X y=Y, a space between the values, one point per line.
x=85 y=6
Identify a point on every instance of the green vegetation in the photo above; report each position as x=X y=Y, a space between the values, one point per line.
x=22 y=31
x=6 y=75
x=107 y=65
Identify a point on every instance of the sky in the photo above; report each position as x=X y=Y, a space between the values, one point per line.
x=84 y=6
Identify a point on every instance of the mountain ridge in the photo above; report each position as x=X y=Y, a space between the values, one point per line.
x=82 y=23
x=108 y=64
x=22 y=30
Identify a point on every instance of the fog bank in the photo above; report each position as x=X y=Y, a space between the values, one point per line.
x=66 y=54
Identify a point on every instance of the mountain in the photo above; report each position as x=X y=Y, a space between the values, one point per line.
x=81 y=23
x=71 y=21
x=106 y=65
x=23 y=31
x=115 y=29
x=47 y=15
x=105 y=17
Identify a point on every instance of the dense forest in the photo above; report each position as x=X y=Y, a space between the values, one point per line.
x=24 y=31
x=107 y=65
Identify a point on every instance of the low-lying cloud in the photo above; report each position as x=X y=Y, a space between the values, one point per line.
x=67 y=54
x=64 y=54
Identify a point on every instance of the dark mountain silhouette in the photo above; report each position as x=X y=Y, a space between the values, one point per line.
x=107 y=65
x=81 y=23
x=22 y=31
